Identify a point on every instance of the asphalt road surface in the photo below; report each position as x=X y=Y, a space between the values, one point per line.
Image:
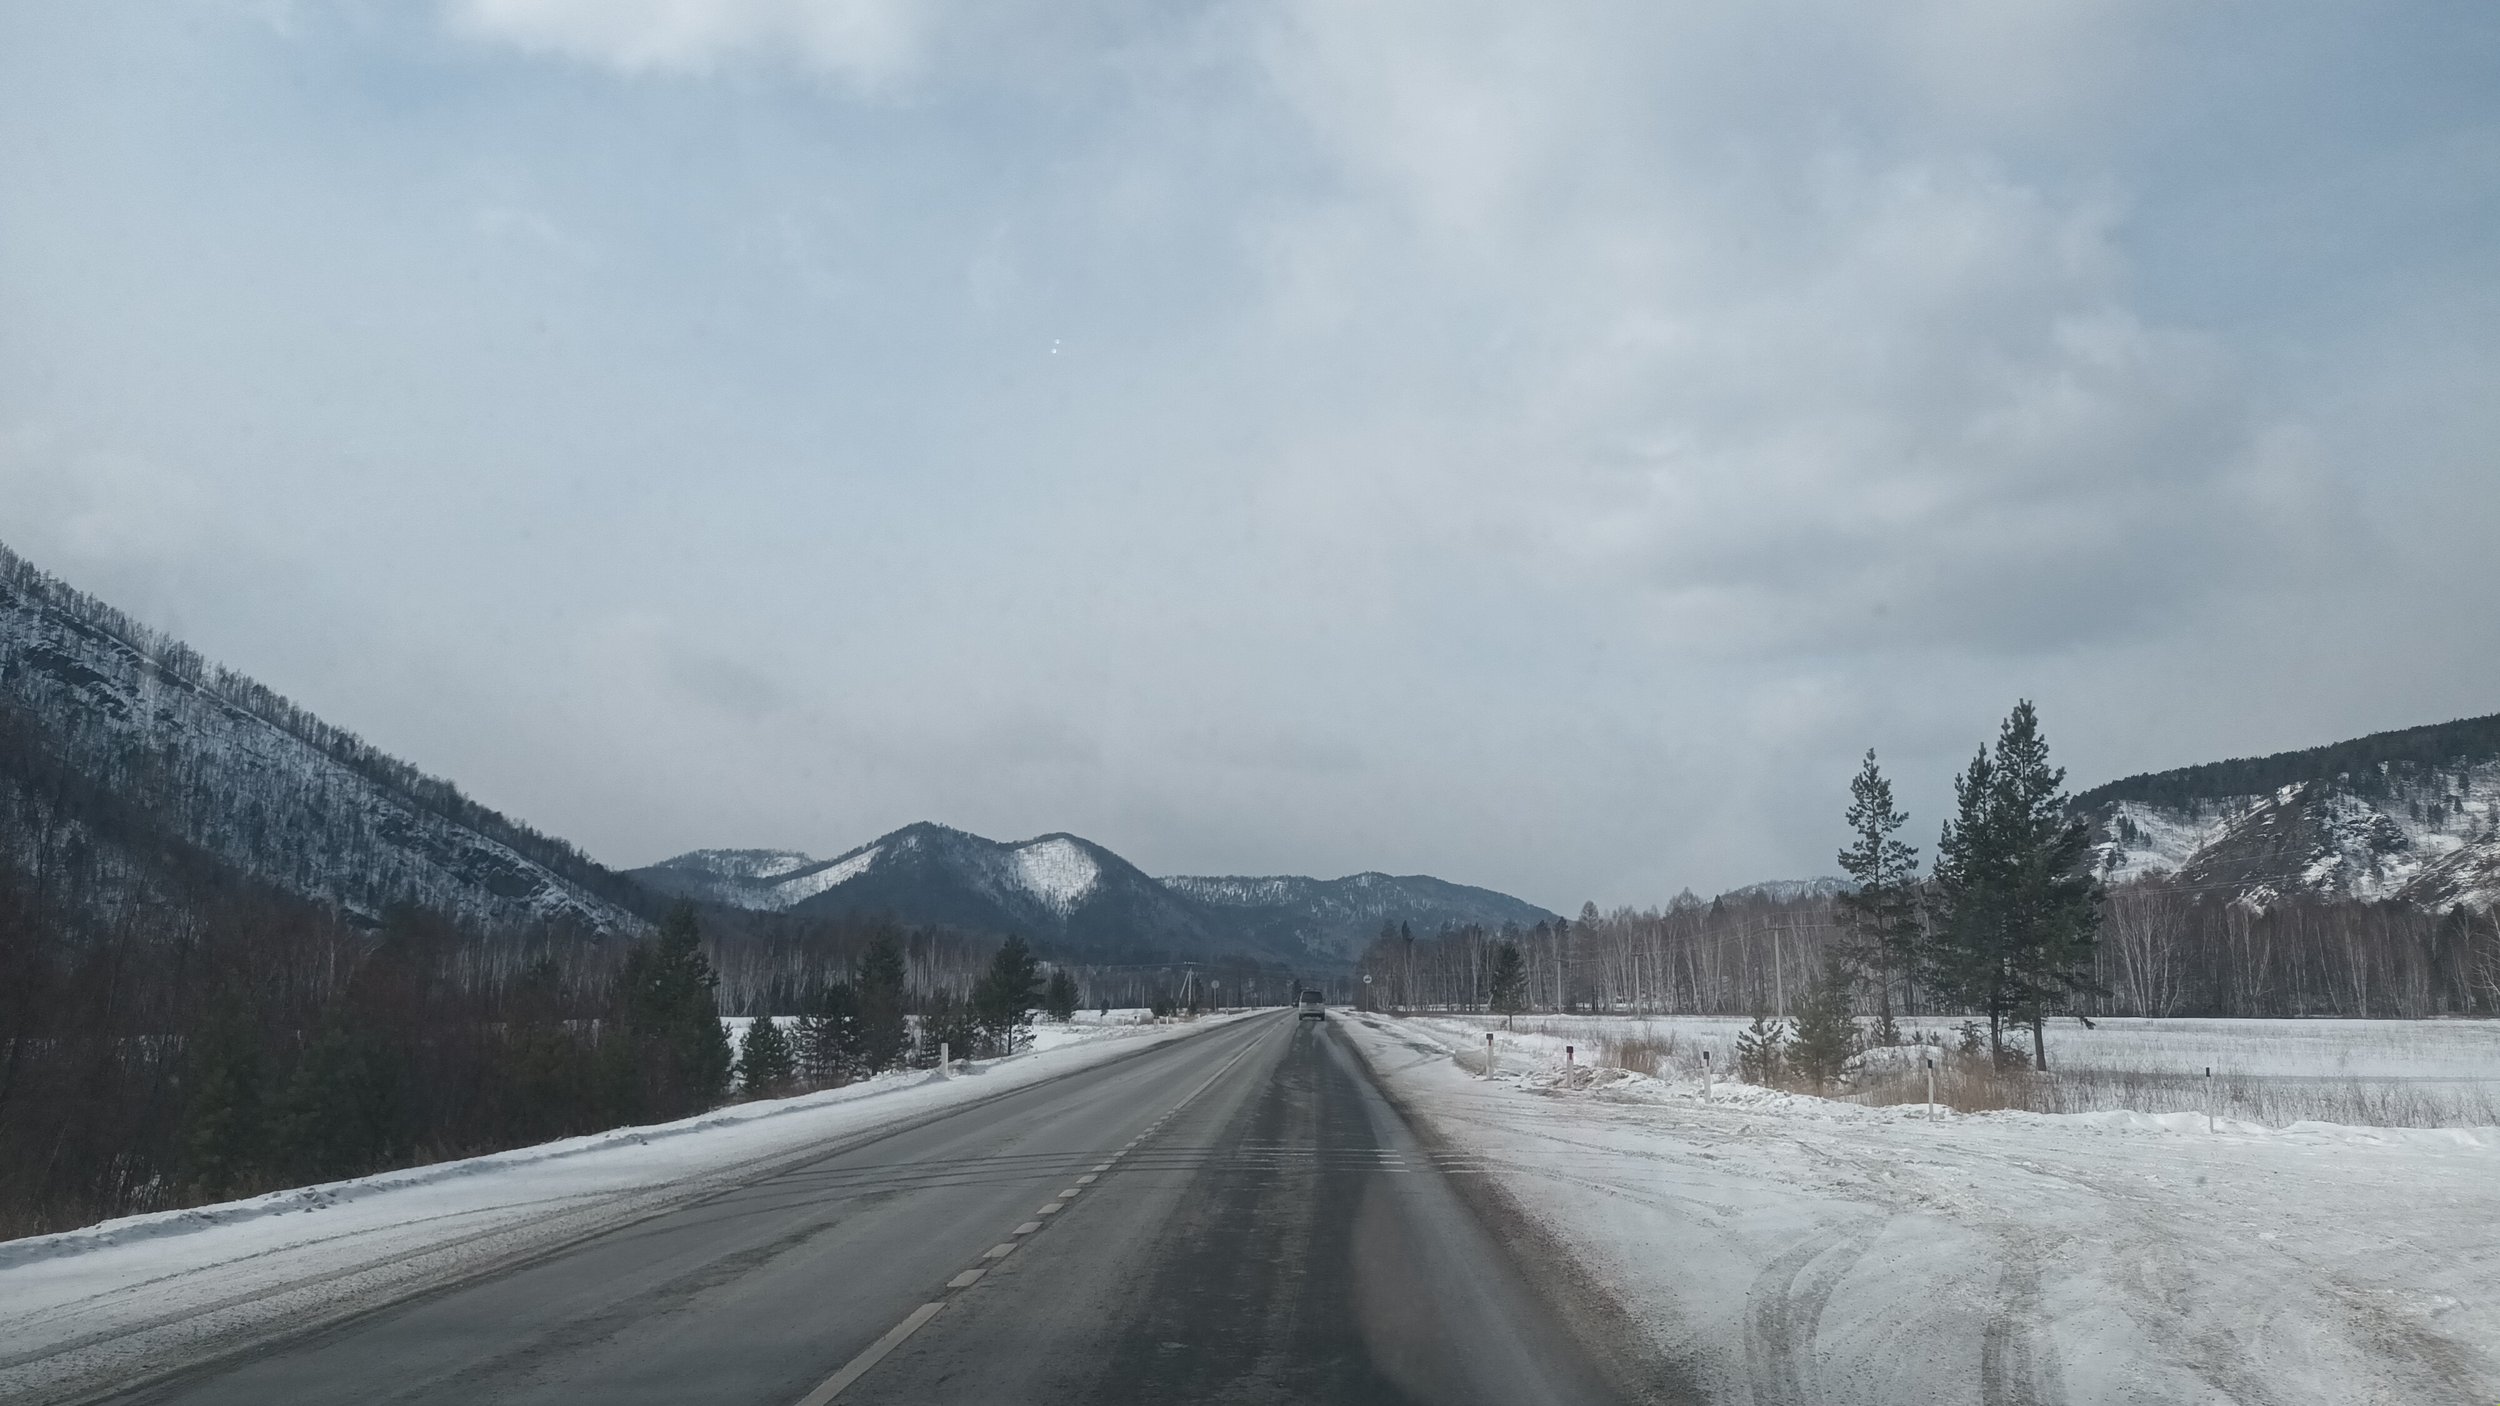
x=1238 y=1217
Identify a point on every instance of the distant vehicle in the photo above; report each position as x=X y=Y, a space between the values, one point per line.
x=1313 y=1007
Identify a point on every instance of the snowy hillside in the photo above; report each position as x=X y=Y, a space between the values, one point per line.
x=210 y=758
x=1791 y=890
x=1074 y=892
x=1055 y=888
x=2411 y=816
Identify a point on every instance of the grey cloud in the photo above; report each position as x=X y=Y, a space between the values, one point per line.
x=1539 y=445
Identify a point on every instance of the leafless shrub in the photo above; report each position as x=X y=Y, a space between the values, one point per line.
x=1638 y=1053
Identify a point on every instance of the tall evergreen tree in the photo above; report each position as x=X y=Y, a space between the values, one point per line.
x=337 y=1114
x=1826 y=1031
x=765 y=1061
x=1964 y=960
x=671 y=1020
x=223 y=1116
x=1508 y=985
x=1762 y=1050
x=1059 y=997
x=2053 y=898
x=828 y=1036
x=883 y=1032
x=948 y=1026
x=1882 y=909
x=1003 y=1000
x=2018 y=909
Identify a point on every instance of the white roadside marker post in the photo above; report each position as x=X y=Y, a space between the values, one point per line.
x=1706 y=1093
x=2209 y=1100
x=946 y=1067
x=1931 y=1086
x=1488 y=1054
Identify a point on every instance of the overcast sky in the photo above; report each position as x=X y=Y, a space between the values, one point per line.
x=1536 y=444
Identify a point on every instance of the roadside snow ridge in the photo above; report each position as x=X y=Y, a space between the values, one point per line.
x=1057 y=871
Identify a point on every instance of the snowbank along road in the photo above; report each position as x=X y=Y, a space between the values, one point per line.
x=1238 y=1216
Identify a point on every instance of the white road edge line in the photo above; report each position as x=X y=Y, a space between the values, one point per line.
x=858 y=1366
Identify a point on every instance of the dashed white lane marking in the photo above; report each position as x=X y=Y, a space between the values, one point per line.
x=858 y=1366
x=875 y=1352
x=1089 y=1178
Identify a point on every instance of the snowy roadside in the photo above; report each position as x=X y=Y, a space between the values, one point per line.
x=128 y=1297
x=1792 y=1249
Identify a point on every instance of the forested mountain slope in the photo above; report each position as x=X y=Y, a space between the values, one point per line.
x=1083 y=899
x=180 y=749
x=2411 y=815
x=1338 y=916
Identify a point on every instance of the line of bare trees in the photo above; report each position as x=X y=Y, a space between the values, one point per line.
x=2164 y=951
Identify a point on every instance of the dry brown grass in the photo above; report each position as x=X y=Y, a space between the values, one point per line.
x=1640 y=1054
x=1976 y=1086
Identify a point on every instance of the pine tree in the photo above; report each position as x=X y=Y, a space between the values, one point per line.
x=679 y=1052
x=222 y=1114
x=828 y=1037
x=2018 y=908
x=1059 y=997
x=1826 y=1030
x=1964 y=960
x=2053 y=899
x=1508 y=985
x=1002 y=1002
x=947 y=1025
x=765 y=1062
x=1762 y=1050
x=883 y=1032
x=337 y=1114
x=1882 y=910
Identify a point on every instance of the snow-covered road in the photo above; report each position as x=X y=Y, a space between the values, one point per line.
x=1796 y=1250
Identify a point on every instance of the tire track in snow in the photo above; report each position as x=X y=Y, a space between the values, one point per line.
x=1784 y=1308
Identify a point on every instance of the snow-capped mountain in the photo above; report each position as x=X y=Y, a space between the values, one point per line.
x=2412 y=815
x=1792 y=890
x=1078 y=895
x=1060 y=889
x=211 y=760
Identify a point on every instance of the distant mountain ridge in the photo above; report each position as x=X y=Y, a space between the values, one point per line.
x=1077 y=895
x=2411 y=815
x=213 y=760
x=1792 y=890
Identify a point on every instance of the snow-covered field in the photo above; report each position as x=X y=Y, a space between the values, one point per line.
x=2416 y=1073
x=129 y=1295
x=1790 y=1249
